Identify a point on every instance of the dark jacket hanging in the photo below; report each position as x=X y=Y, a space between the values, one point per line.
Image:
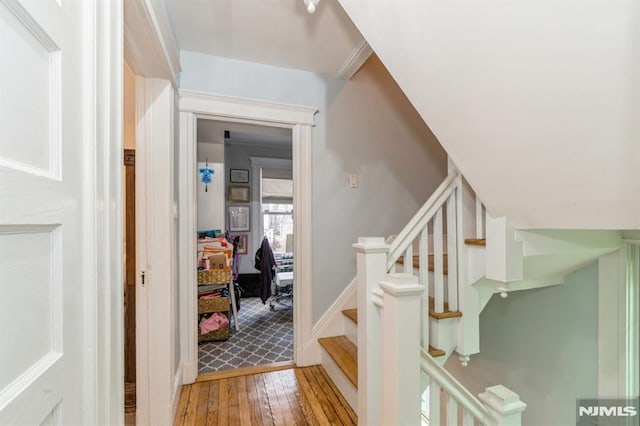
x=266 y=269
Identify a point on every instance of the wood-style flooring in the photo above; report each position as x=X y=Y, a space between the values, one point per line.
x=297 y=396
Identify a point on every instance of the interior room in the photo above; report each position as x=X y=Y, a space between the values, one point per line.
x=245 y=245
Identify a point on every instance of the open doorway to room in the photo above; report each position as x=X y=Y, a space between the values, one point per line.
x=244 y=202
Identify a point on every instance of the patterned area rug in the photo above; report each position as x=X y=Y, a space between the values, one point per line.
x=265 y=337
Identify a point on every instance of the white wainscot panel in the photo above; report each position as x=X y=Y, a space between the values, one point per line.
x=29 y=94
x=30 y=300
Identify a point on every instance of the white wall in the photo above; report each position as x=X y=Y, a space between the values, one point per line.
x=364 y=126
x=542 y=344
x=535 y=101
x=211 y=152
x=211 y=198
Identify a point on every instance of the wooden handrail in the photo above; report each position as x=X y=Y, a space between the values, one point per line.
x=454 y=388
x=421 y=218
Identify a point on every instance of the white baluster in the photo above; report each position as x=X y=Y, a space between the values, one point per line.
x=479 y=217
x=408 y=260
x=452 y=411
x=467 y=418
x=452 y=252
x=371 y=263
x=438 y=272
x=423 y=277
x=401 y=399
x=434 y=404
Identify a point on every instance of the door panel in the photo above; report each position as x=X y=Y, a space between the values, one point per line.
x=41 y=213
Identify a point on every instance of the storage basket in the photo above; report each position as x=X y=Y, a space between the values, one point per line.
x=214 y=304
x=214 y=276
x=220 y=334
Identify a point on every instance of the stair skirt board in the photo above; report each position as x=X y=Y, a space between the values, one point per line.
x=332 y=322
x=346 y=388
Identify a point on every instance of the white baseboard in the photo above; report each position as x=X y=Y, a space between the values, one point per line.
x=330 y=324
x=177 y=388
x=189 y=373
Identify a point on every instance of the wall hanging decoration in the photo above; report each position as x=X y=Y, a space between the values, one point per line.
x=206 y=175
x=239 y=194
x=239 y=176
x=239 y=218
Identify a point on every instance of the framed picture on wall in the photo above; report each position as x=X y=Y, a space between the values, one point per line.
x=239 y=176
x=242 y=243
x=239 y=194
x=239 y=218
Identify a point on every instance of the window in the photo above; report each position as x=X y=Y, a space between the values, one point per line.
x=278 y=224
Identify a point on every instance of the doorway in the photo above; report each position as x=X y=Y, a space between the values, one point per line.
x=299 y=120
x=245 y=168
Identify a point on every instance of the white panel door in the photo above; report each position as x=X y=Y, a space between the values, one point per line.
x=42 y=353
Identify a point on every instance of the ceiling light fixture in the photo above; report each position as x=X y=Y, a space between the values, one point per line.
x=311 y=5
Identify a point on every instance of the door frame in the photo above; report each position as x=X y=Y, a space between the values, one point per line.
x=300 y=119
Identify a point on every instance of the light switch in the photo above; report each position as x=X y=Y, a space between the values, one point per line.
x=353 y=181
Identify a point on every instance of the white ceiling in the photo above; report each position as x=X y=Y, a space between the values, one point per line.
x=211 y=131
x=273 y=32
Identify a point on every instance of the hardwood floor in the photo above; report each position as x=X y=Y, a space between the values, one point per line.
x=298 y=396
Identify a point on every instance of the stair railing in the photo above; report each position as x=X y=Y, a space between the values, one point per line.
x=393 y=322
x=499 y=405
x=432 y=229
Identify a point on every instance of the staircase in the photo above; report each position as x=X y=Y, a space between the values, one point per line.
x=419 y=301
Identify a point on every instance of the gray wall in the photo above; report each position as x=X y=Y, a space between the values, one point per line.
x=364 y=126
x=541 y=344
x=238 y=157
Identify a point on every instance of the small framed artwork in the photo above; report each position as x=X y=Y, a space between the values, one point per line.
x=242 y=243
x=239 y=176
x=239 y=194
x=239 y=219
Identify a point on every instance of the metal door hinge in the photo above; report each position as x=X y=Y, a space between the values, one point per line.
x=142 y=277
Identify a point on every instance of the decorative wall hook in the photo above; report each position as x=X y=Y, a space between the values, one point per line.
x=206 y=175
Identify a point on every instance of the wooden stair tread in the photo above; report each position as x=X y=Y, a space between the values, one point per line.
x=431 y=263
x=475 y=242
x=344 y=353
x=442 y=315
x=435 y=352
x=352 y=314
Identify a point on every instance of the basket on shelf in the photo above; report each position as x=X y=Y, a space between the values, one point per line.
x=220 y=334
x=214 y=276
x=214 y=304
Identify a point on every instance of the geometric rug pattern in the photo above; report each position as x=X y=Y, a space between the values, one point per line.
x=265 y=337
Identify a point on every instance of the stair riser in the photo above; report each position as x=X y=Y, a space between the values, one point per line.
x=351 y=330
x=443 y=333
x=346 y=388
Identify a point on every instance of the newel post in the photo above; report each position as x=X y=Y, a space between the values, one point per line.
x=504 y=405
x=371 y=255
x=401 y=354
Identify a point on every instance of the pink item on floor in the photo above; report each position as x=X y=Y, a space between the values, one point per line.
x=213 y=323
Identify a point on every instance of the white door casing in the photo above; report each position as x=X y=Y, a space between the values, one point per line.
x=299 y=119
x=60 y=156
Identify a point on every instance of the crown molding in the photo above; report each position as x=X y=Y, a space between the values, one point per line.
x=355 y=61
